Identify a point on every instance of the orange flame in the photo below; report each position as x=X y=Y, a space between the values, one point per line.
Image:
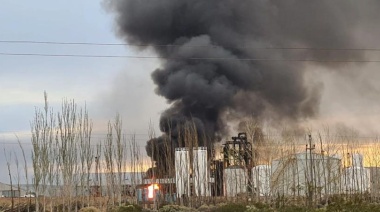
x=151 y=189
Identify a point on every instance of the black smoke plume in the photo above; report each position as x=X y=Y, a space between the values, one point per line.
x=214 y=56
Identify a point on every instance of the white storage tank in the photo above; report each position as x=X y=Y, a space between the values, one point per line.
x=261 y=175
x=357 y=160
x=337 y=156
x=182 y=174
x=356 y=179
x=200 y=172
x=235 y=181
x=292 y=174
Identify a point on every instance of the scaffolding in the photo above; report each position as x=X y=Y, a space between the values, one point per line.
x=238 y=152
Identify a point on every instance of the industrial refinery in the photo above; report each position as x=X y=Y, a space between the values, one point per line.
x=236 y=174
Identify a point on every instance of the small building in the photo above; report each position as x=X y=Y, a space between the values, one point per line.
x=7 y=190
x=302 y=173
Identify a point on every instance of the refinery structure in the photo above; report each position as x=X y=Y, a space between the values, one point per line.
x=236 y=174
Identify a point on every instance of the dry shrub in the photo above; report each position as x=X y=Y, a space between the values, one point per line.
x=5 y=204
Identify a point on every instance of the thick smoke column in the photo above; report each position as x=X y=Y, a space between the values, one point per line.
x=224 y=35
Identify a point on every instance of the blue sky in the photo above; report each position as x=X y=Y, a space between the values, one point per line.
x=106 y=86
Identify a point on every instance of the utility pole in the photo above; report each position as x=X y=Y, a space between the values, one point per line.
x=311 y=186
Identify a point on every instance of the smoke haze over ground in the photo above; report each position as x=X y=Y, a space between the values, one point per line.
x=216 y=61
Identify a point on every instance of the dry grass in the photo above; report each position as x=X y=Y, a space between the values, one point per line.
x=6 y=203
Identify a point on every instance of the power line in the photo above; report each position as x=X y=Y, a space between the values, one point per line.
x=185 y=46
x=190 y=58
x=30 y=144
x=62 y=43
x=30 y=133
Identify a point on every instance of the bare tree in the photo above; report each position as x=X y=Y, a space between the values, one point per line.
x=41 y=136
x=8 y=159
x=109 y=160
x=86 y=152
x=25 y=170
x=18 y=180
x=67 y=147
x=119 y=152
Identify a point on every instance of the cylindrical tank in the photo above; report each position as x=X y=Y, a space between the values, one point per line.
x=235 y=181
x=182 y=167
x=200 y=172
x=337 y=156
x=357 y=160
x=356 y=179
x=261 y=178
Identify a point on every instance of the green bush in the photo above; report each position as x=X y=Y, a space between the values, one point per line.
x=262 y=207
x=232 y=207
x=89 y=209
x=251 y=208
x=293 y=208
x=259 y=207
x=127 y=208
x=206 y=208
x=175 y=208
x=350 y=206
